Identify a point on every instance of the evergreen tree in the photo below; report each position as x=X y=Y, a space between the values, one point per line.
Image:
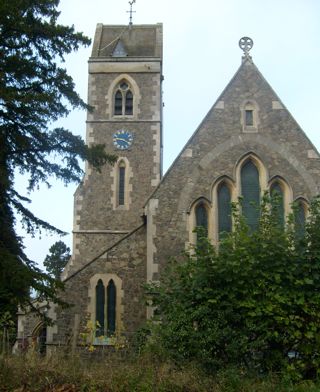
x=35 y=90
x=56 y=260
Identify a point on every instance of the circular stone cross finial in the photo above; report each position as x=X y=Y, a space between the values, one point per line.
x=245 y=44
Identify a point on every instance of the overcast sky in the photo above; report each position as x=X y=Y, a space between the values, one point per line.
x=201 y=55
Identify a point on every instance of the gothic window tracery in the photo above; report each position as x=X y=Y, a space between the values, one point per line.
x=251 y=181
x=123 y=99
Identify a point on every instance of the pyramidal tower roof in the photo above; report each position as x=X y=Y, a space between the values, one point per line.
x=133 y=40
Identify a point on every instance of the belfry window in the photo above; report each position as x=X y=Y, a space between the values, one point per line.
x=250 y=189
x=123 y=100
x=277 y=201
x=224 y=209
x=118 y=103
x=129 y=103
x=121 y=183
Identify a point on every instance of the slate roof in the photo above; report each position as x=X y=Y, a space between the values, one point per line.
x=138 y=40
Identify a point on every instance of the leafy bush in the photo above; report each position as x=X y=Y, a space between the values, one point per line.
x=254 y=304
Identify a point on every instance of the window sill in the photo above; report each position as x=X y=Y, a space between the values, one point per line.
x=104 y=341
x=249 y=129
x=123 y=116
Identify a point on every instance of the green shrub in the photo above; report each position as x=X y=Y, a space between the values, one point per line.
x=254 y=304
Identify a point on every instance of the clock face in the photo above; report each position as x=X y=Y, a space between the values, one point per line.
x=122 y=140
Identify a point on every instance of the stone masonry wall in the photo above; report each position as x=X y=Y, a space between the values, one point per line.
x=127 y=261
x=217 y=146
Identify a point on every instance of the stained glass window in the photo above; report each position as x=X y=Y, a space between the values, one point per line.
x=202 y=218
x=250 y=188
x=277 y=202
x=300 y=219
x=224 y=209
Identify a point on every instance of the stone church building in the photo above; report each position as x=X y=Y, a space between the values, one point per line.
x=129 y=219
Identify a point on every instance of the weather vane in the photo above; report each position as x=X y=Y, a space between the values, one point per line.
x=131 y=11
x=246 y=45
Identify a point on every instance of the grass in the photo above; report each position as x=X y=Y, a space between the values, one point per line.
x=32 y=373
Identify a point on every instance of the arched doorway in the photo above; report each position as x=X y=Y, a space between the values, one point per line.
x=39 y=338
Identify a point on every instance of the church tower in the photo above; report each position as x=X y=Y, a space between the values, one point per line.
x=128 y=224
x=124 y=90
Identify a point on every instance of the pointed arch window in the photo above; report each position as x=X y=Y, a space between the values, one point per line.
x=118 y=103
x=111 y=307
x=129 y=103
x=250 y=189
x=277 y=201
x=106 y=308
x=224 y=209
x=123 y=99
x=202 y=218
x=300 y=219
x=121 y=183
x=100 y=308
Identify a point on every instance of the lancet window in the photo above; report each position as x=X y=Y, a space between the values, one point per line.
x=277 y=200
x=300 y=218
x=123 y=99
x=105 y=308
x=121 y=183
x=224 y=209
x=250 y=191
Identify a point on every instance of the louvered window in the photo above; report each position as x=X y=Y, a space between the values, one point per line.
x=118 y=103
x=111 y=307
x=129 y=103
x=100 y=307
x=123 y=100
x=250 y=188
x=121 y=190
x=277 y=201
x=224 y=209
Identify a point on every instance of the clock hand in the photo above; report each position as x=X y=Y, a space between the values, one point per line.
x=123 y=140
